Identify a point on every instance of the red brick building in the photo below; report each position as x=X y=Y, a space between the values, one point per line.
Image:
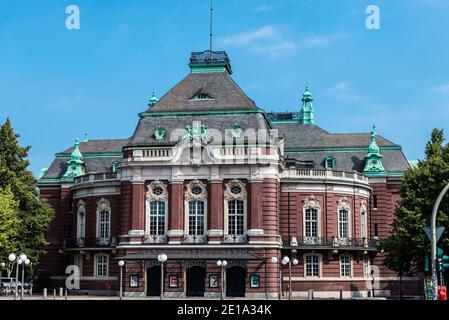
x=208 y=176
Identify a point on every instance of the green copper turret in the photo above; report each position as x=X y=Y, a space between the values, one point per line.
x=373 y=164
x=153 y=100
x=75 y=166
x=306 y=115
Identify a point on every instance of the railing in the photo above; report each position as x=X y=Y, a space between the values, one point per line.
x=324 y=174
x=195 y=238
x=96 y=177
x=335 y=242
x=235 y=238
x=89 y=242
x=155 y=239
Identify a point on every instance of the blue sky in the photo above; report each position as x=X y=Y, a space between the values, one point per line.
x=55 y=84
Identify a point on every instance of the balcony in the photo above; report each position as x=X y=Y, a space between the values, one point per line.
x=89 y=178
x=334 y=243
x=343 y=176
x=235 y=238
x=155 y=239
x=195 y=239
x=73 y=243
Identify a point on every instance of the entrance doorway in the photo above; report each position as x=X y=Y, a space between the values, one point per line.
x=195 y=281
x=235 y=281
x=154 y=281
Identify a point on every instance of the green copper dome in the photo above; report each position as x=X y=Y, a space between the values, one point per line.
x=306 y=114
x=153 y=100
x=373 y=160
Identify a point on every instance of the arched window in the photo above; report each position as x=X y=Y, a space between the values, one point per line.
x=311 y=220
x=103 y=221
x=81 y=220
x=329 y=162
x=157 y=209
x=235 y=211
x=101 y=265
x=196 y=212
x=345 y=266
x=312 y=266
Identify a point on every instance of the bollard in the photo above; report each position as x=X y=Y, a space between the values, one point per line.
x=65 y=293
x=61 y=292
x=44 y=293
x=341 y=294
x=54 y=294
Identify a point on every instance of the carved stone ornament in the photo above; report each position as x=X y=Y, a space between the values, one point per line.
x=363 y=205
x=344 y=203
x=232 y=187
x=193 y=185
x=236 y=131
x=103 y=205
x=81 y=207
x=159 y=133
x=157 y=191
x=311 y=202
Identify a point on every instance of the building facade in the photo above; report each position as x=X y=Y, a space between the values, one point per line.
x=209 y=177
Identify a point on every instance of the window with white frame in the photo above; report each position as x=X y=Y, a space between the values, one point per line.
x=101 y=265
x=312 y=265
x=157 y=205
x=236 y=217
x=311 y=222
x=366 y=267
x=157 y=218
x=345 y=266
x=196 y=217
x=235 y=205
x=343 y=223
x=103 y=220
x=81 y=219
x=78 y=261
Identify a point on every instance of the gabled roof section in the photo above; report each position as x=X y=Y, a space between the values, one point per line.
x=224 y=94
x=99 y=146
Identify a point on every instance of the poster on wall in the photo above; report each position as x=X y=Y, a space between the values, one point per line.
x=173 y=281
x=254 y=281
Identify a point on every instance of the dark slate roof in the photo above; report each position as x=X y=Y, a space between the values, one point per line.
x=100 y=146
x=92 y=165
x=145 y=129
x=307 y=136
x=225 y=94
x=393 y=160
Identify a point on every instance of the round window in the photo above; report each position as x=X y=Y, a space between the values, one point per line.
x=158 y=191
x=197 y=190
x=236 y=190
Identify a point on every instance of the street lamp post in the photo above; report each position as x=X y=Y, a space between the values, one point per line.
x=13 y=257
x=222 y=264
x=2 y=266
x=26 y=262
x=162 y=258
x=286 y=260
x=121 y=263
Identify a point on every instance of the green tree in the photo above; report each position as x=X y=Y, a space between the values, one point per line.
x=33 y=214
x=407 y=245
x=9 y=222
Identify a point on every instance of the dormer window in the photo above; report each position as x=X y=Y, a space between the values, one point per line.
x=329 y=162
x=202 y=96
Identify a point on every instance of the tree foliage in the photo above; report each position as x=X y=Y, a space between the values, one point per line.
x=9 y=222
x=33 y=215
x=408 y=244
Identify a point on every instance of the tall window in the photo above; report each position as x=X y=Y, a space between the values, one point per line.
x=311 y=222
x=345 y=266
x=196 y=217
x=104 y=223
x=78 y=261
x=103 y=220
x=157 y=218
x=101 y=265
x=236 y=217
x=81 y=228
x=366 y=267
x=363 y=224
x=343 y=223
x=312 y=265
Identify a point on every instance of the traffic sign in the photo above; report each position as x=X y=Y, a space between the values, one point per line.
x=439 y=232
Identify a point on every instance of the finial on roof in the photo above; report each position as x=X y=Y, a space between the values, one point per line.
x=75 y=166
x=306 y=114
x=86 y=137
x=153 y=99
x=373 y=160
